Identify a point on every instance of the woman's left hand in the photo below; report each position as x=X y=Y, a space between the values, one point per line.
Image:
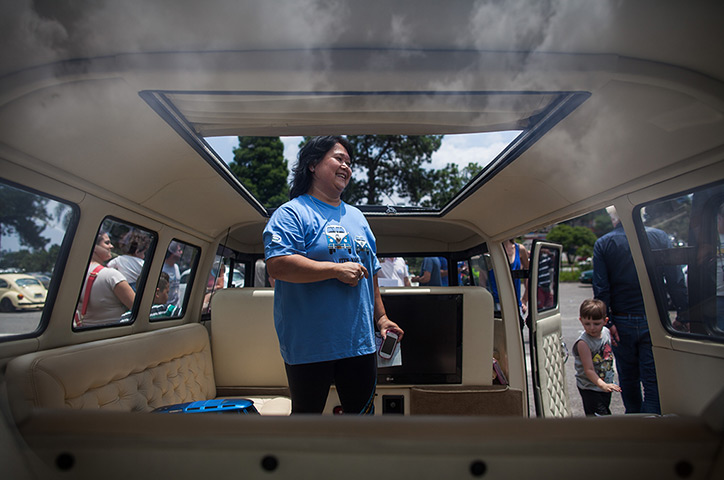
x=384 y=324
x=351 y=273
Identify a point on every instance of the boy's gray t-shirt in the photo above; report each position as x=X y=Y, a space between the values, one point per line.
x=602 y=356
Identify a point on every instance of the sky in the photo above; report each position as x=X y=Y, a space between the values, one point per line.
x=54 y=231
x=462 y=149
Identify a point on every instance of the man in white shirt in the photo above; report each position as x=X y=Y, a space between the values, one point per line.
x=394 y=272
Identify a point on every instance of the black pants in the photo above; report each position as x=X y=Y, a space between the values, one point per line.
x=595 y=403
x=354 y=377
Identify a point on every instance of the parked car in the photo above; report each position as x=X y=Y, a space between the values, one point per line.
x=586 y=276
x=19 y=291
x=44 y=278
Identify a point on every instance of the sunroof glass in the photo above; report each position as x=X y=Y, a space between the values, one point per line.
x=434 y=174
x=383 y=128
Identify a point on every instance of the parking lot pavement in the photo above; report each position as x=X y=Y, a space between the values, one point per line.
x=15 y=323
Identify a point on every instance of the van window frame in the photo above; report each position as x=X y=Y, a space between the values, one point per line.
x=236 y=258
x=60 y=262
x=193 y=267
x=141 y=284
x=685 y=255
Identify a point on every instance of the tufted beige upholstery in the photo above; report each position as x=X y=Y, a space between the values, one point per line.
x=554 y=396
x=136 y=373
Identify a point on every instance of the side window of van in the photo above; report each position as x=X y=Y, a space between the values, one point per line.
x=117 y=268
x=226 y=272
x=682 y=238
x=479 y=266
x=394 y=272
x=34 y=231
x=546 y=294
x=175 y=281
x=413 y=271
x=464 y=277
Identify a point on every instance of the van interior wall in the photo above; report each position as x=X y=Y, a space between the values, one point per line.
x=94 y=206
x=508 y=337
x=678 y=359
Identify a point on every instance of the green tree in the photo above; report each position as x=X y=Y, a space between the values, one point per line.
x=388 y=165
x=24 y=214
x=260 y=165
x=38 y=260
x=571 y=238
x=447 y=182
x=584 y=251
x=602 y=223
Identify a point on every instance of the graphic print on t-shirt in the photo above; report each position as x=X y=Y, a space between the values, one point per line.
x=361 y=244
x=337 y=239
x=603 y=362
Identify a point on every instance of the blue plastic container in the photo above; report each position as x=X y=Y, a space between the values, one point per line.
x=241 y=406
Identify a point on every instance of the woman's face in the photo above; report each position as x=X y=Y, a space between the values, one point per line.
x=102 y=250
x=333 y=172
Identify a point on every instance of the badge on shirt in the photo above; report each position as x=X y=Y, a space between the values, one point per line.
x=361 y=244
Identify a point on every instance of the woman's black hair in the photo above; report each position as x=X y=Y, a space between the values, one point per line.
x=311 y=154
x=99 y=237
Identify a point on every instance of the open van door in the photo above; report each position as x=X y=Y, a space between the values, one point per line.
x=548 y=353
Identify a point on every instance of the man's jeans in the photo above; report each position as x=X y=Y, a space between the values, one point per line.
x=635 y=365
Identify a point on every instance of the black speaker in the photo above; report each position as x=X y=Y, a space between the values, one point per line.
x=393 y=404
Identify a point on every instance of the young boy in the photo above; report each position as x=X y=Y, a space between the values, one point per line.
x=160 y=309
x=594 y=359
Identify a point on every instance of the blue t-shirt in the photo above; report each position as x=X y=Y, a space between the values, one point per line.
x=443 y=266
x=432 y=265
x=325 y=320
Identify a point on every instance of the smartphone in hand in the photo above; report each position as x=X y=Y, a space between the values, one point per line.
x=387 y=348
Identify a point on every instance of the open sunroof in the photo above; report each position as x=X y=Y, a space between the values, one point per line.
x=487 y=129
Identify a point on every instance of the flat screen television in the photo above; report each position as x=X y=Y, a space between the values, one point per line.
x=432 y=348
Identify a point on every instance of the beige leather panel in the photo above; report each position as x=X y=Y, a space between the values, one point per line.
x=272 y=406
x=466 y=400
x=122 y=446
x=246 y=349
x=244 y=342
x=133 y=373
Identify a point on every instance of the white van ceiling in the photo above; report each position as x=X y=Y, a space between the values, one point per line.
x=72 y=76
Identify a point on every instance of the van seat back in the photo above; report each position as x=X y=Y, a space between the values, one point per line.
x=244 y=342
x=135 y=373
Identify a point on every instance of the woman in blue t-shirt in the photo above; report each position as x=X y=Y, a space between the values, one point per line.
x=327 y=303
